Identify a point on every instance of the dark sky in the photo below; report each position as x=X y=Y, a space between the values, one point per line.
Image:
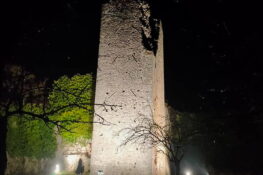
x=212 y=47
x=213 y=51
x=53 y=37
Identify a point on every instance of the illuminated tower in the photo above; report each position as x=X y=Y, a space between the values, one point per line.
x=130 y=76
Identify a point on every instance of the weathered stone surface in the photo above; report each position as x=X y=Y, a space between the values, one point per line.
x=73 y=152
x=125 y=78
x=161 y=161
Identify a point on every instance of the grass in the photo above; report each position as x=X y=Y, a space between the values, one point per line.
x=70 y=173
x=66 y=173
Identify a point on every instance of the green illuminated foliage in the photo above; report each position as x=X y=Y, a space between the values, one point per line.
x=77 y=93
x=31 y=127
x=30 y=138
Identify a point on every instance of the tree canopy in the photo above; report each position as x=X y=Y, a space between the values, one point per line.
x=30 y=110
x=79 y=90
x=30 y=138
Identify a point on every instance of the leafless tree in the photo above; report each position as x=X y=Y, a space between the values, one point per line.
x=170 y=139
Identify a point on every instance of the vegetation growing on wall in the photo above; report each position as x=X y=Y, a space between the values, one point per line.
x=32 y=137
x=78 y=88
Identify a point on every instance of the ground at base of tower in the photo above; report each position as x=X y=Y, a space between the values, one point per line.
x=69 y=173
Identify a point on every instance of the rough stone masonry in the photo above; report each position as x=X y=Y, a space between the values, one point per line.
x=130 y=77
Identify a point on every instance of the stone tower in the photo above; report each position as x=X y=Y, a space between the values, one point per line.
x=129 y=77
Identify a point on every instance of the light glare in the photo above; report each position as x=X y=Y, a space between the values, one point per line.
x=188 y=172
x=71 y=162
x=57 y=168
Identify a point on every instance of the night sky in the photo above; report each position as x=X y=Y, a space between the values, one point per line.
x=213 y=54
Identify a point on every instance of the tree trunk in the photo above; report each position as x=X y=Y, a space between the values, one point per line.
x=3 y=133
x=177 y=168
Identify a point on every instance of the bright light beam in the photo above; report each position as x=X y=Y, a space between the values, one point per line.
x=188 y=172
x=57 y=168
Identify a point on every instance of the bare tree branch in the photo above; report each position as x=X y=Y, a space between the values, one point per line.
x=169 y=139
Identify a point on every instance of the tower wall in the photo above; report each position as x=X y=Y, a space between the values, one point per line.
x=125 y=76
x=161 y=164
